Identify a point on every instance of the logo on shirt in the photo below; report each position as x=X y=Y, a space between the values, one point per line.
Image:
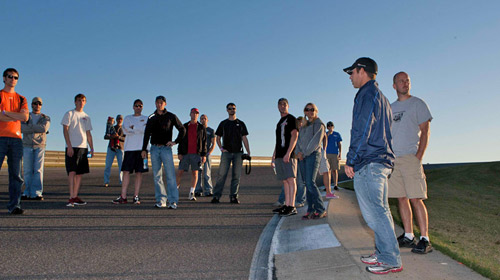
x=398 y=116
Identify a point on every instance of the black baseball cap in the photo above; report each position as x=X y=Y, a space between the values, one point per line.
x=161 y=97
x=367 y=63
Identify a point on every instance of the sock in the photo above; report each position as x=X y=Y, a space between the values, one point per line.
x=425 y=237
x=192 y=190
x=409 y=235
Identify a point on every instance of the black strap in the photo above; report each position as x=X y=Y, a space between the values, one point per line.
x=248 y=167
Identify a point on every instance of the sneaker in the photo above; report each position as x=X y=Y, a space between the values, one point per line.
x=192 y=197
x=160 y=205
x=215 y=200
x=25 y=197
x=331 y=195
x=120 y=200
x=105 y=185
x=279 y=209
x=404 y=241
x=38 y=197
x=78 y=201
x=371 y=259
x=423 y=247
x=307 y=216
x=288 y=211
x=172 y=205
x=137 y=200
x=235 y=200
x=317 y=216
x=335 y=188
x=70 y=203
x=17 y=211
x=382 y=268
x=300 y=205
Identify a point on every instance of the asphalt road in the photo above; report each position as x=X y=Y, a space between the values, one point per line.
x=100 y=240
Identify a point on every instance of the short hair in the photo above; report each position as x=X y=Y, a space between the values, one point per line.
x=201 y=116
x=10 y=70
x=230 y=104
x=138 y=101
x=79 y=96
x=370 y=75
x=330 y=123
x=395 y=75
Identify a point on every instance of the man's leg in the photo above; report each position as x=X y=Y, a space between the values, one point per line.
x=14 y=160
x=406 y=214
x=78 y=182
x=28 y=171
x=223 y=170
x=194 y=180
x=168 y=164
x=71 y=183
x=179 y=176
x=207 y=177
x=292 y=188
x=160 y=192
x=110 y=156
x=119 y=159
x=335 y=177
x=421 y=215
x=236 y=174
x=138 y=182
x=125 y=182
x=37 y=179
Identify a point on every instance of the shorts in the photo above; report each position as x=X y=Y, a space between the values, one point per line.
x=323 y=164
x=78 y=163
x=193 y=160
x=133 y=161
x=408 y=178
x=333 y=160
x=286 y=170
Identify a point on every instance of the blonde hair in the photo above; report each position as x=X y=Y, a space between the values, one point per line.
x=306 y=119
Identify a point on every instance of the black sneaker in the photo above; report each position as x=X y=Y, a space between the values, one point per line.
x=16 y=211
x=279 y=209
x=423 y=247
x=288 y=211
x=336 y=188
x=137 y=200
x=215 y=200
x=120 y=200
x=235 y=200
x=404 y=241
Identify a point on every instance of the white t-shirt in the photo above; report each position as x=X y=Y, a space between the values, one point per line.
x=407 y=116
x=135 y=135
x=78 y=124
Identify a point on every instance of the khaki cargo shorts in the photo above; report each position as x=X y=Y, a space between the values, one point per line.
x=408 y=178
x=333 y=160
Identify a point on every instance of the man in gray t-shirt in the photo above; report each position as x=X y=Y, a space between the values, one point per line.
x=410 y=133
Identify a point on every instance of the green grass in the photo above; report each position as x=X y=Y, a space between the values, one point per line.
x=464 y=214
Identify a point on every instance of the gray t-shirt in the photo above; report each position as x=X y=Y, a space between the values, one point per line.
x=407 y=116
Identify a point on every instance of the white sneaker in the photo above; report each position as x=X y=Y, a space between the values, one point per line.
x=172 y=205
x=160 y=205
x=192 y=197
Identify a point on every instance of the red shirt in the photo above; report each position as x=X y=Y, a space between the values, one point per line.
x=192 y=135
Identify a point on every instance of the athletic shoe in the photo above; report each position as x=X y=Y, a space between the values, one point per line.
x=70 y=203
x=172 y=205
x=38 y=197
x=137 y=200
x=105 y=185
x=371 y=259
x=192 y=197
x=78 y=201
x=423 y=247
x=307 y=216
x=288 y=211
x=120 y=200
x=300 y=205
x=382 y=268
x=16 y=211
x=215 y=200
x=235 y=200
x=317 y=216
x=331 y=195
x=404 y=241
x=336 y=188
x=279 y=209
x=160 y=205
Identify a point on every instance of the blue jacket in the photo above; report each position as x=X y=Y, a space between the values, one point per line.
x=371 y=139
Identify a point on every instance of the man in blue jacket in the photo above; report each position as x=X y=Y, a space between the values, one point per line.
x=370 y=161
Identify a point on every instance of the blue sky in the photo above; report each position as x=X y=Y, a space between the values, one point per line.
x=205 y=54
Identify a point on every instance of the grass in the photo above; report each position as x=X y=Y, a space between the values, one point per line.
x=464 y=214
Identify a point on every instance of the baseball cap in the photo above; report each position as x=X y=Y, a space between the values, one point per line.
x=37 y=99
x=195 y=110
x=367 y=63
x=119 y=117
x=161 y=97
x=283 y=99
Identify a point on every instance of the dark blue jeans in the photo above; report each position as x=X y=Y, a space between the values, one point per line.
x=309 y=168
x=225 y=161
x=13 y=149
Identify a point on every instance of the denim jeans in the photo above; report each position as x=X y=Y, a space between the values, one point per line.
x=226 y=160
x=110 y=156
x=309 y=168
x=13 y=149
x=204 y=183
x=33 y=159
x=370 y=185
x=163 y=155
x=300 y=196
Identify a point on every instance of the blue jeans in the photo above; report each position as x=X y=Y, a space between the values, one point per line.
x=225 y=161
x=33 y=159
x=370 y=185
x=205 y=178
x=110 y=156
x=300 y=196
x=13 y=149
x=309 y=168
x=163 y=155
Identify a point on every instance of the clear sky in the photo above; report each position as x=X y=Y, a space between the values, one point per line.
x=205 y=54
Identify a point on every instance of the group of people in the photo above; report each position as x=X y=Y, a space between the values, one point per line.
x=387 y=144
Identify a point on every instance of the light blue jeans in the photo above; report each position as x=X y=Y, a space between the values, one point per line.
x=370 y=185
x=309 y=168
x=204 y=183
x=13 y=149
x=163 y=155
x=33 y=159
x=225 y=162
x=300 y=196
x=110 y=156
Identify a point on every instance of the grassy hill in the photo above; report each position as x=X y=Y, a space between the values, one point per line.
x=464 y=214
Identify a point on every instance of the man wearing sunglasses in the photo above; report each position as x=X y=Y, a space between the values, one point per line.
x=370 y=161
x=35 y=132
x=14 y=110
x=233 y=132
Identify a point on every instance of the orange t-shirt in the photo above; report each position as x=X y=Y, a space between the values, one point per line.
x=11 y=102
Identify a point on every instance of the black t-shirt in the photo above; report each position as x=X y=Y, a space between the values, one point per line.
x=232 y=133
x=284 y=130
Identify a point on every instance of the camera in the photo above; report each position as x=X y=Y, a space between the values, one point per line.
x=246 y=157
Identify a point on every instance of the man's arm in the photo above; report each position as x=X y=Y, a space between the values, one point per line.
x=219 y=143
x=68 y=141
x=42 y=126
x=212 y=145
x=245 y=142
x=425 y=131
x=293 y=142
x=340 y=149
x=91 y=143
x=23 y=115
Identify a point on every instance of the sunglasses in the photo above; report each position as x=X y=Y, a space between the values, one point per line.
x=138 y=106
x=232 y=108
x=309 y=110
x=37 y=103
x=12 y=77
